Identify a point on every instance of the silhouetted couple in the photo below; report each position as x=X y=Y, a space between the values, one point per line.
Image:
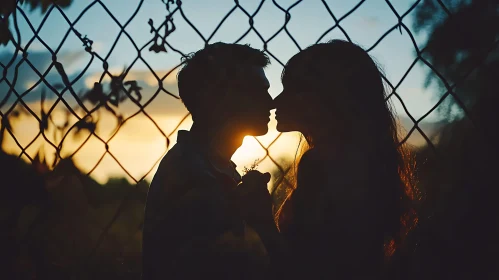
x=343 y=219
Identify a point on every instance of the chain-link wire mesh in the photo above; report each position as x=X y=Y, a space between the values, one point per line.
x=158 y=43
x=123 y=89
x=84 y=106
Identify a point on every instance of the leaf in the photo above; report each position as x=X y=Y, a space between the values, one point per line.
x=66 y=124
x=95 y=95
x=5 y=33
x=43 y=96
x=151 y=24
x=7 y=7
x=44 y=121
x=6 y=123
x=114 y=95
x=114 y=102
x=135 y=89
x=84 y=124
x=45 y=4
x=87 y=42
x=40 y=164
x=157 y=48
x=168 y=3
x=253 y=166
x=58 y=86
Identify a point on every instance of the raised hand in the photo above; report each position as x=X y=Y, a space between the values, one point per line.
x=253 y=200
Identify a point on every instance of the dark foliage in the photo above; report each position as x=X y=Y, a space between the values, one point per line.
x=7 y=7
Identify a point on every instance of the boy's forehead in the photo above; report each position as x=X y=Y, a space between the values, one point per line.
x=263 y=77
x=256 y=74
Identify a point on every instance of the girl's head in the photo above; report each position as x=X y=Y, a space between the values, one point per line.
x=332 y=89
x=333 y=94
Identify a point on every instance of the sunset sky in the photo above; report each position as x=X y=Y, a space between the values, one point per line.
x=139 y=144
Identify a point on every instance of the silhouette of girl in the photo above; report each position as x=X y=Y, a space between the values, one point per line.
x=349 y=209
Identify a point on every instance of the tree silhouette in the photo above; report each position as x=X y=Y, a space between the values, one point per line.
x=7 y=7
x=462 y=46
x=459 y=185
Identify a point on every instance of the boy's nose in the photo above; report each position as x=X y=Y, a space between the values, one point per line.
x=272 y=104
x=276 y=101
x=269 y=102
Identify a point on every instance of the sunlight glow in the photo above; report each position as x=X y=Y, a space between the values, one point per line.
x=139 y=145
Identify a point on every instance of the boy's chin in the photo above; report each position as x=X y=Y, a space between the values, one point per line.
x=257 y=131
x=284 y=128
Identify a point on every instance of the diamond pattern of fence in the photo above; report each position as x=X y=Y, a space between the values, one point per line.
x=111 y=93
x=81 y=114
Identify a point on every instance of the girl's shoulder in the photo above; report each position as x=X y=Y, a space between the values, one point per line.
x=311 y=167
x=314 y=157
x=346 y=159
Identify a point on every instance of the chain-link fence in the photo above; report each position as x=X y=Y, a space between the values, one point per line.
x=84 y=107
x=123 y=89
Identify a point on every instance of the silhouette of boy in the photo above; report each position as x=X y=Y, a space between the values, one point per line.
x=193 y=228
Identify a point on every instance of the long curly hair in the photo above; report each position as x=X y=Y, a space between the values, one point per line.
x=349 y=83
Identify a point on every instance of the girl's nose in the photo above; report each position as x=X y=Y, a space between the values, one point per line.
x=277 y=101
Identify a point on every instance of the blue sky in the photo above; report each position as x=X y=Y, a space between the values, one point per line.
x=309 y=20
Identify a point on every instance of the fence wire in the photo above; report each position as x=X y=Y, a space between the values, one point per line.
x=121 y=89
x=160 y=43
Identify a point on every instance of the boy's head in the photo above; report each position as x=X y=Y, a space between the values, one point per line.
x=225 y=83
